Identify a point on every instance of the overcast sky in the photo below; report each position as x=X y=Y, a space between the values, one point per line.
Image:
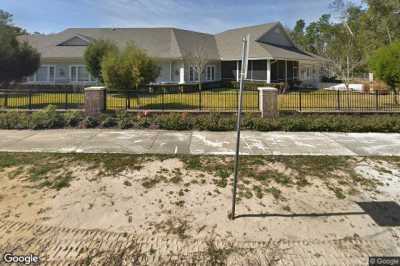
x=48 y=16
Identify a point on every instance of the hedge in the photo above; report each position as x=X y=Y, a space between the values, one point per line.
x=49 y=118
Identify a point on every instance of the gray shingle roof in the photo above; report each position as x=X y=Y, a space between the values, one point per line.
x=170 y=43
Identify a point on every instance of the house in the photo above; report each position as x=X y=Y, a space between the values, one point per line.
x=273 y=55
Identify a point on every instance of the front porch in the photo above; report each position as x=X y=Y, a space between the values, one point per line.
x=274 y=71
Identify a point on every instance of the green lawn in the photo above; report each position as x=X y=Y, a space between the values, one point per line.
x=223 y=100
x=329 y=100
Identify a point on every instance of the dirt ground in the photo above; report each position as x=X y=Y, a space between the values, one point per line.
x=176 y=211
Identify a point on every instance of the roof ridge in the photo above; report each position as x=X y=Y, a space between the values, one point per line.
x=272 y=24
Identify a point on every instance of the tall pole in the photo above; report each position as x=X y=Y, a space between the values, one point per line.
x=243 y=75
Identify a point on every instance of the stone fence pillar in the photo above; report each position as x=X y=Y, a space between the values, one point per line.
x=95 y=100
x=268 y=102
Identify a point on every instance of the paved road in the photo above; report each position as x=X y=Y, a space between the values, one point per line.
x=199 y=142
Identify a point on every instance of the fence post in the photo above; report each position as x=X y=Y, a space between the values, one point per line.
x=199 y=99
x=128 y=105
x=162 y=98
x=300 y=107
x=105 y=99
x=376 y=101
x=95 y=100
x=6 y=100
x=30 y=99
x=338 y=100
x=268 y=102
x=66 y=101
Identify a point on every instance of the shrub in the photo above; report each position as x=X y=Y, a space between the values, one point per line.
x=89 y=122
x=14 y=120
x=124 y=119
x=73 y=118
x=385 y=64
x=94 y=55
x=261 y=124
x=129 y=69
x=108 y=122
x=174 y=122
x=215 y=122
x=47 y=118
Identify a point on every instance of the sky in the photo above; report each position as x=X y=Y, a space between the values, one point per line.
x=211 y=16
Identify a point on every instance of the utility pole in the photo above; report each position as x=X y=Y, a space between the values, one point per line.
x=243 y=75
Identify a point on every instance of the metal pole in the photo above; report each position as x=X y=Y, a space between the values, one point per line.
x=243 y=75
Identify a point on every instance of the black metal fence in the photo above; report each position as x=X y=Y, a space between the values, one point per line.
x=31 y=99
x=207 y=100
x=339 y=101
x=213 y=100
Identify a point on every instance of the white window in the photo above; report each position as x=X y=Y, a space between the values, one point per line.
x=62 y=72
x=79 y=73
x=41 y=74
x=210 y=73
x=193 y=73
x=52 y=72
x=45 y=73
x=83 y=74
x=73 y=73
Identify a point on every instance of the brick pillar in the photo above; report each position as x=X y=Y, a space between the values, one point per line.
x=268 y=102
x=95 y=100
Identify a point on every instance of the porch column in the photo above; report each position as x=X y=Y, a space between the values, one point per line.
x=182 y=74
x=237 y=71
x=286 y=78
x=171 y=78
x=269 y=71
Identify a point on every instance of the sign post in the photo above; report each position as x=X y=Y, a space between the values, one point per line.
x=243 y=75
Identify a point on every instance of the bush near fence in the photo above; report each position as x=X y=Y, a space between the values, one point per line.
x=50 y=118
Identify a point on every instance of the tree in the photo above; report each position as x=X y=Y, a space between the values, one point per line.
x=345 y=48
x=94 y=55
x=6 y=20
x=130 y=69
x=198 y=57
x=383 y=20
x=385 y=65
x=17 y=59
x=298 y=33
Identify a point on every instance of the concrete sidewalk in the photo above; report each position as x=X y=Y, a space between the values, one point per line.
x=199 y=142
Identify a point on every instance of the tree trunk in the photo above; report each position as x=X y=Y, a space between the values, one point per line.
x=396 y=101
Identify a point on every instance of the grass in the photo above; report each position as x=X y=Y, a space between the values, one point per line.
x=328 y=100
x=226 y=99
x=213 y=100
x=259 y=175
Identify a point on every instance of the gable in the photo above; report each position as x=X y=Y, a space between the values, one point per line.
x=75 y=41
x=277 y=36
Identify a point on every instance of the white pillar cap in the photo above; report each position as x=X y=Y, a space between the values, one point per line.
x=95 y=89
x=267 y=89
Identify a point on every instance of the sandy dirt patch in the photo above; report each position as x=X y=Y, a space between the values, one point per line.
x=172 y=199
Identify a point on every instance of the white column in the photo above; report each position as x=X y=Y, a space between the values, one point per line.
x=237 y=70
x=286 y=77
x=251 y=73
x=182 y=74
x=171 y=78
x=269 y=71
